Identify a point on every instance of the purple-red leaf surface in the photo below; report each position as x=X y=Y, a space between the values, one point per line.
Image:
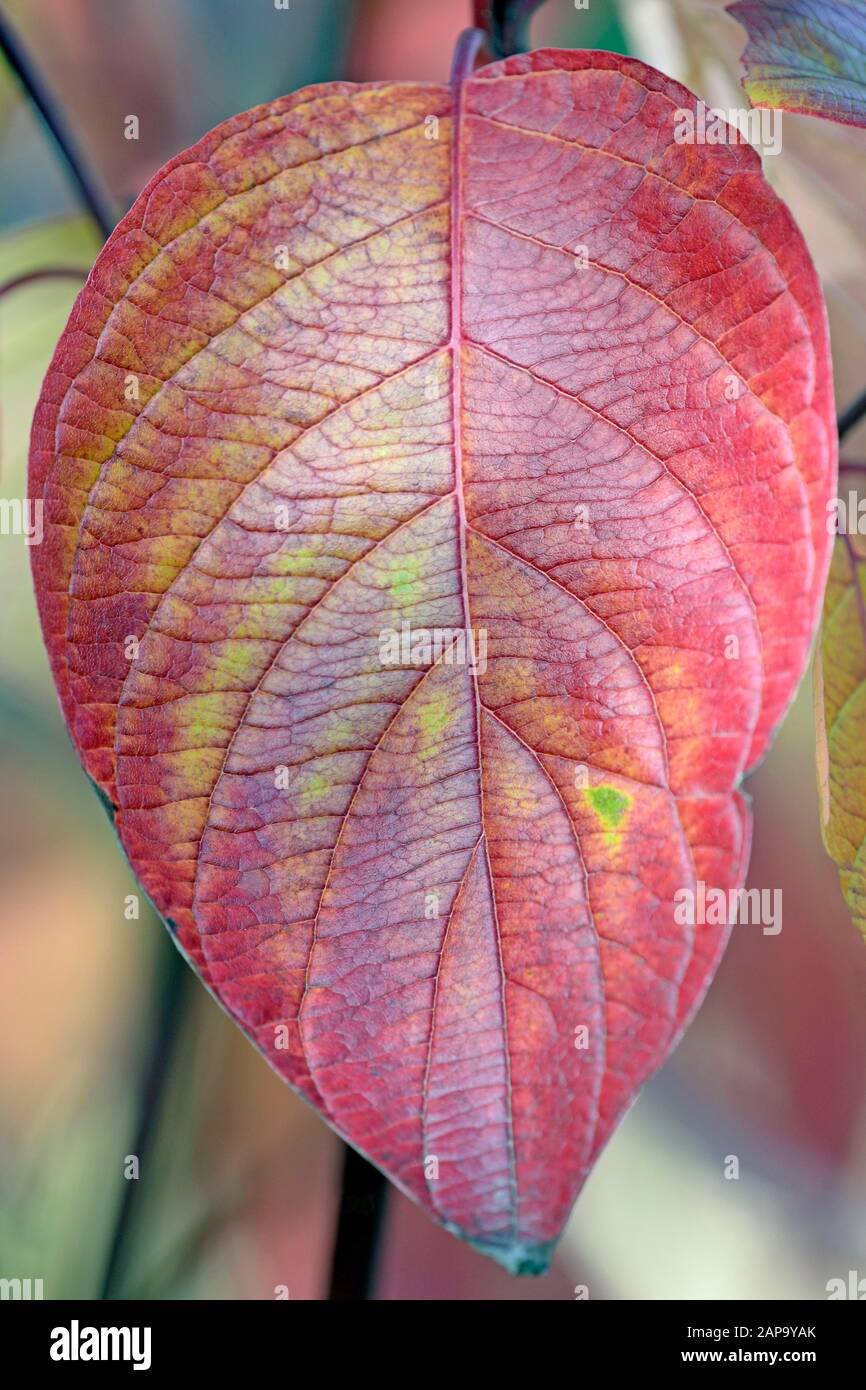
x=370 y=381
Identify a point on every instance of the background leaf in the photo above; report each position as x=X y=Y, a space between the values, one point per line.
x=840 y=717
x=807 y=56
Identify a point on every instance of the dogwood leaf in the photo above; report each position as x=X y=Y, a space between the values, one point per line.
x=435 y=487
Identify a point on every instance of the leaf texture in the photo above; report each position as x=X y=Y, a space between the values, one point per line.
x=528 y=368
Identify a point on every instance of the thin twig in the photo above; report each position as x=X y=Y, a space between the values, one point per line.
x=363 y=1191
x=21 y=65
x=51 y=272
x=169 y=991
x=852 y=415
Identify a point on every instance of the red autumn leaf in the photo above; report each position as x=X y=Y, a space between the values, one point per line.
x=561 y=383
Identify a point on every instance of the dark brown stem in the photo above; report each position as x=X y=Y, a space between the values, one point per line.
x=363 y=1194
x=52 y=272
x=505 y=24
x=19 y=61
x=852 y=415
x=170 y=995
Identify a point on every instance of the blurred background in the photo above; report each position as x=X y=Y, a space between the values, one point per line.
x=238 y=1192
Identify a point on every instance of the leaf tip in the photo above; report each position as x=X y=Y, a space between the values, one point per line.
x=517 y=1257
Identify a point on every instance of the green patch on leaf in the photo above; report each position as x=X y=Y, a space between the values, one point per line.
x=610 y=806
